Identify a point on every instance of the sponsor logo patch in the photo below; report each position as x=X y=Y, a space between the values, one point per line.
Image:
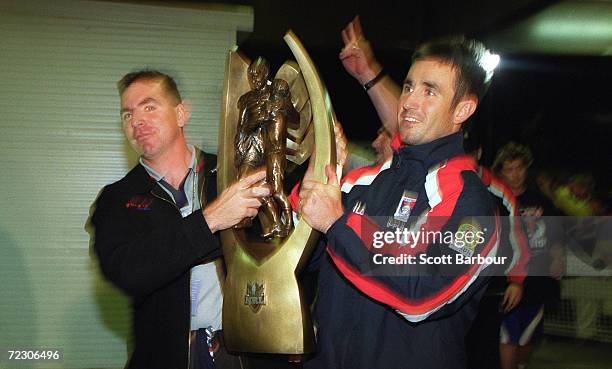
x=139 y=202
x=405 y=206
x=467 y=237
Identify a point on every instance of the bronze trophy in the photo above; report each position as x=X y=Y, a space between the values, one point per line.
x=265 y=122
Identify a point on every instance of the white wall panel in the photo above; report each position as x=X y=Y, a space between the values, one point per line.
x=61 y=142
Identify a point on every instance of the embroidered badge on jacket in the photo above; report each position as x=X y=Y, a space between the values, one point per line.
x=139 y=202
x=405 y=206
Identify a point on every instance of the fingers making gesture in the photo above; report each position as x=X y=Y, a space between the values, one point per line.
x=356 y=55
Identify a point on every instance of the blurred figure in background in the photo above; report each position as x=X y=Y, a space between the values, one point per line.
x=522 y=327
x=382 y=146
x=360 y=155
x=589 y=235
x=576 y=196
x=505 y=290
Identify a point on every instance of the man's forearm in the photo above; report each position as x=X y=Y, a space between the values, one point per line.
x=385 y=97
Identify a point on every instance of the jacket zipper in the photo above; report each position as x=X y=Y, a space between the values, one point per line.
x=195 y=178
x=189 y=325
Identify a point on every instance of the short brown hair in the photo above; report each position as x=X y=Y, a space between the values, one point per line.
x=150 y=75
x=512 y=151
x=466 y=56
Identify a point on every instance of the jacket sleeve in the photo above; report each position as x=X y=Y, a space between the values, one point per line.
x=516 y=269
x=357 y=176
x=140 y=261
x=420 y=291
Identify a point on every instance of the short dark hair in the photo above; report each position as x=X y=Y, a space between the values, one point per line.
x=150 y=75
x=466 y=56
x=512 y=151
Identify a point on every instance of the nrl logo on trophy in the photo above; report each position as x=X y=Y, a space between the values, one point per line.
x=255 y=297
x=272 y=122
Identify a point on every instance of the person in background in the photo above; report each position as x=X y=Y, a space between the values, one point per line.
x=382 y=146
x=506 y=288
x=522 y=327
x=360 y=156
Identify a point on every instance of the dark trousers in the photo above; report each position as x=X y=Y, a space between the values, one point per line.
x=263 y=361
x=482 y=340
x=200 y=358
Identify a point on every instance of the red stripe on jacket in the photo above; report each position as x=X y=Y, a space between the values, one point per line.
x=448 y=176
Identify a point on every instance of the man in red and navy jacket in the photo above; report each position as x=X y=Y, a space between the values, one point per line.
x=389 y=302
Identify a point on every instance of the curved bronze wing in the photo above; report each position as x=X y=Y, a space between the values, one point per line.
x=314 y=105
x=300 y=138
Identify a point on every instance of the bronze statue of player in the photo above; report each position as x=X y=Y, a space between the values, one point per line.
x=282 y=114
x=264 y=113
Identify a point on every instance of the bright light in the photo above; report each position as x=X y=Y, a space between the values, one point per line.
x=489 y=62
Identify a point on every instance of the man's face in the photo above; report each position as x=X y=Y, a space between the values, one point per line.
x=152 y=121
x=426 y=111
x=382 y=145
x=514 y=173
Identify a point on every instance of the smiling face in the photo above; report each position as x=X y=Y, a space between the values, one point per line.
x=426 y=110
x=152 y=119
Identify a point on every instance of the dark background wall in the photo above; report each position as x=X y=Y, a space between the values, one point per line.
x=558 y=103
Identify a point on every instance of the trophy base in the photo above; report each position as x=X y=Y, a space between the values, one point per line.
x=265 y=313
